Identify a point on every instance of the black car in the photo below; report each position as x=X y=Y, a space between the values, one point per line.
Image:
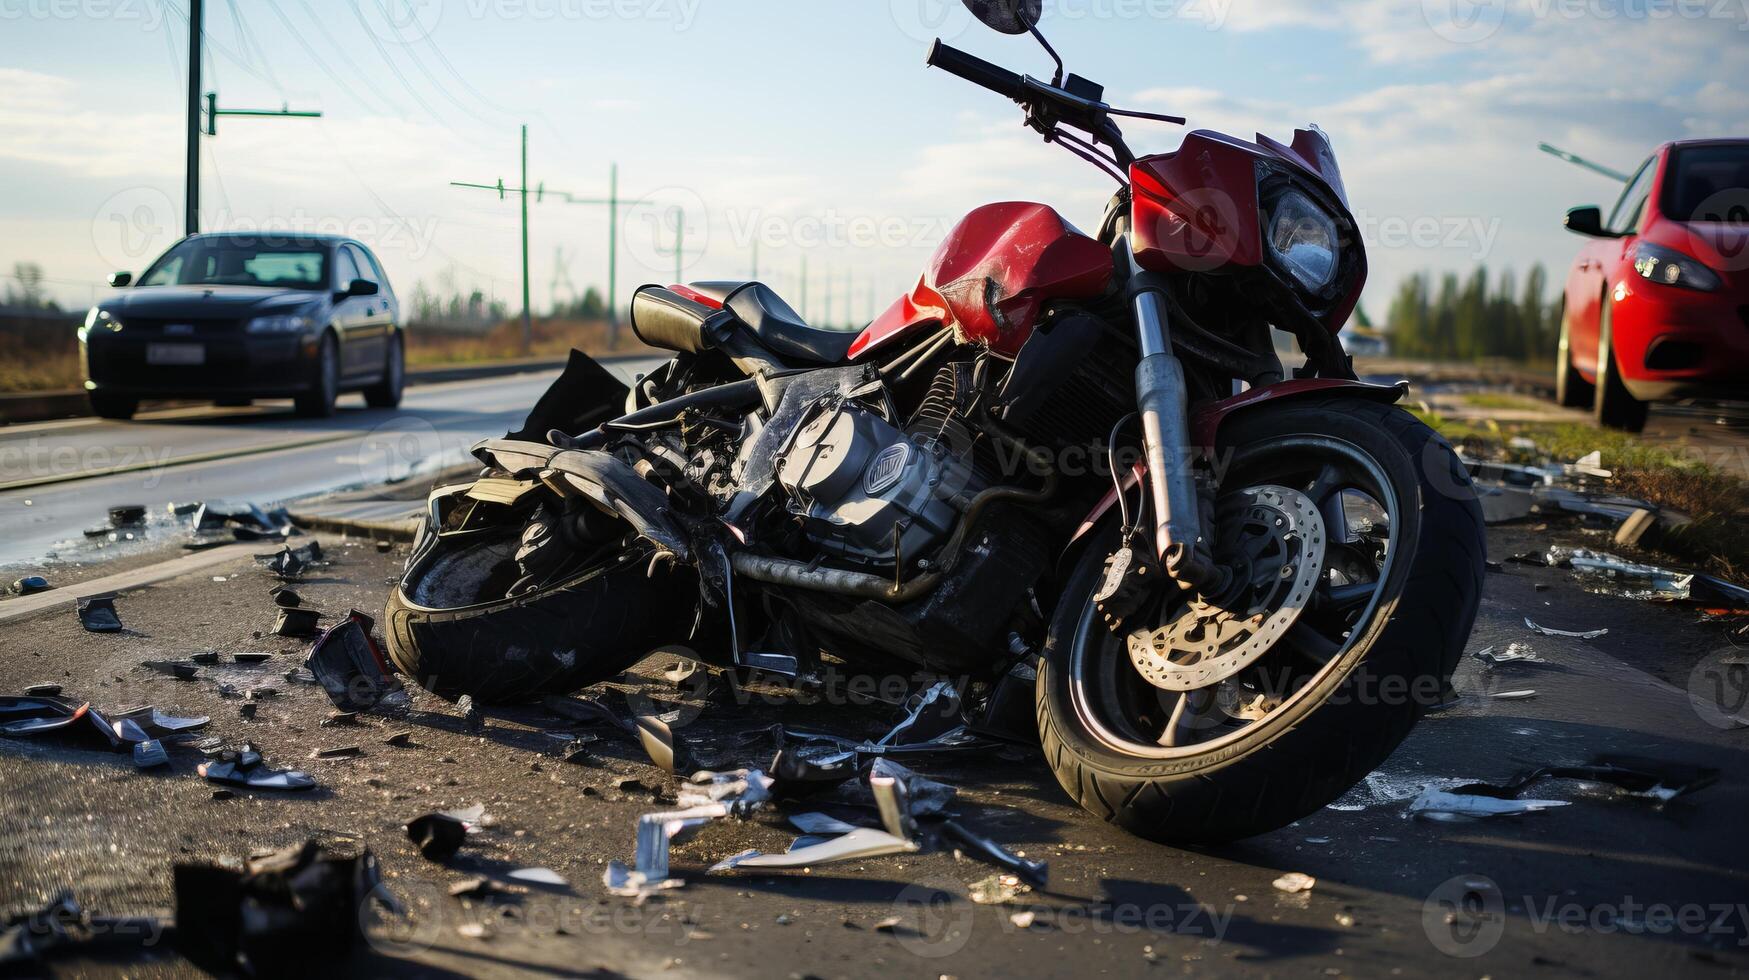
x=237 y=317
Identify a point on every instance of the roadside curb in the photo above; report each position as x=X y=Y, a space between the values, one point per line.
x=403 y=530
x=31 y=605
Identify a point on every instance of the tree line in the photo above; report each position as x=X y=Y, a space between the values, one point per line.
x=1483 y=315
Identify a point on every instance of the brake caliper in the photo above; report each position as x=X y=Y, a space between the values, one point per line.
x=1132 y=575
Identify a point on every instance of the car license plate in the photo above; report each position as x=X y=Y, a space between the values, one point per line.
x=175 y=354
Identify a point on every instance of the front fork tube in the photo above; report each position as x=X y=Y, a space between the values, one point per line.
x=1161 y=400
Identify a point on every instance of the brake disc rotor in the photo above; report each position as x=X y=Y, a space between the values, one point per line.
x=1273 y=540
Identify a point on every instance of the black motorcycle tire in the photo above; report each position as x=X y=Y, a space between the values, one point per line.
x=555 y=640
x=1307 y=754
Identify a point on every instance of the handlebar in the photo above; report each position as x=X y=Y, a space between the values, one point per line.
x=1008 y=84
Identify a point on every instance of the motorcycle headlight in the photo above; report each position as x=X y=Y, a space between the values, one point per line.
x=281 y=323
x=1303 y=238
x=1671 y=268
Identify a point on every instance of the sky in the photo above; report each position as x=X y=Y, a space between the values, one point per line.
x=792 y=131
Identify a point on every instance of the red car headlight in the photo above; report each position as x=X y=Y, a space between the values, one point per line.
x=1669 y=267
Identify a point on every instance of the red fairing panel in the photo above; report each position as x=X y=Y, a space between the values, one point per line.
x=993 y=274
x=1197 y=209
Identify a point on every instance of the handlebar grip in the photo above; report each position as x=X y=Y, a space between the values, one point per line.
x=977 y=71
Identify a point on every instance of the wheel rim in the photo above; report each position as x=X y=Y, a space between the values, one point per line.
x=1128 y=714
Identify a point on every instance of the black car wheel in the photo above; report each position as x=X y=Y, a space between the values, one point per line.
x=318 y=402
x=111 y=406
x=387 y=392
x=1615 y=407
x=1571 y=390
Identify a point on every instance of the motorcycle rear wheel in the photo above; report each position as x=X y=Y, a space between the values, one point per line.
x=1389 y=645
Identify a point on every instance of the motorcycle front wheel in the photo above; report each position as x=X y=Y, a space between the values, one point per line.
x=1380 y=588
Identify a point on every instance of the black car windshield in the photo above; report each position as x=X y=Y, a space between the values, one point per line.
x=1709 y=183
x=241 y=262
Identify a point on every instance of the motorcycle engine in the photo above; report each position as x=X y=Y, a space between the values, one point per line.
x=863 y=487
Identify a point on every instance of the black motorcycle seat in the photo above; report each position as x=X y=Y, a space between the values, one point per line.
x=777 y=325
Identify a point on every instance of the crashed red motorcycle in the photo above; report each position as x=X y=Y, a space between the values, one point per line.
x=1069 y=471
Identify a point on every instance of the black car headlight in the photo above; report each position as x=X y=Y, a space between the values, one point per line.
x=279 y=323
x=1304 y=241
x=98 y=319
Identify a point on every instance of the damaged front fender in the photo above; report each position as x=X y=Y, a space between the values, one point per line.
x=618 y=489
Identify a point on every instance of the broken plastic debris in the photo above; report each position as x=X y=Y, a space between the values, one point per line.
x=1513 y=695
x=1547 y=631
x=349 y=666
x=98 y=614
x=150 y=754
x=1516 y=653
x=656 y=833
x=289 y=913
x=929 y=715
x=182 y=670
x=157 y=723
x=658 y=742
x=296 y=623
x=43 y=690
x=539 y=876
x=1295 y=882
x=819 y=823
x=30 y=585
x=927 y=797
x=1591 y=465
x=1638 y=776
x=740 y=791
x=1438 y=804
x=437 y=835
x=254 y=777
x=286 y=598
x=472 y=721
x=1034 y=873
x=795 y=775
x=863 y=842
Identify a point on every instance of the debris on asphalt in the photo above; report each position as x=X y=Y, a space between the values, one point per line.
x=338 y=752
x=1295 y=882
x=129 y=515
x=658 y=742
x=1513 y=695
x=656 y=832
x=796 y=776
x=997 y=889
x=1637 y=776
x=150 y=754
x=863 y=842
x=82 y=726
x=251 y=658
x=98 y=614
x=246 y=767
x=929 y=715
x=472 y=721
x=924 y=797
x=43 y=690
x=182 y=670
x=1442 y=805
x=285 y=564
x=819 y=824
x=1606 y=574
x=350 y=667
x=285 y=598
x=283 y=914
x=159 y=724
x=1034 y=873
x=400 y=740
x=1515 y=653
x=438 y=836
x=545 y=877
x=297 y=623
x=337 y=719
x=30 y=585
x=27 y=939
x=1577 y=635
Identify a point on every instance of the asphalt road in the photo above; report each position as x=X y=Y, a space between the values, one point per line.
x=1607 y=885
x=58 y=478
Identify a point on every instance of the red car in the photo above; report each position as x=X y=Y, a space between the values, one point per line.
x=1657 y=304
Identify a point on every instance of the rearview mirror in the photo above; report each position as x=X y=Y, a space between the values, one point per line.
x=1588 y=221
x=120 y=279
x=1007 y=16
x=362 y=287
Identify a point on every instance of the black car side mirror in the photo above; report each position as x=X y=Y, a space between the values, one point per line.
x=1588 y=221
x=120 y=279
x=362 y=287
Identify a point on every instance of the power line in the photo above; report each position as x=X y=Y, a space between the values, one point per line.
x=310 y=50
x=384 y=55
x=419 y=63
x=334 y=45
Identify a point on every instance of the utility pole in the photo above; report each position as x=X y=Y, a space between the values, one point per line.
x=527 y=317
x=191 y=194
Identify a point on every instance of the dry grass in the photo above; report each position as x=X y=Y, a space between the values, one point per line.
x=38 y=357
x=1718 y=539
